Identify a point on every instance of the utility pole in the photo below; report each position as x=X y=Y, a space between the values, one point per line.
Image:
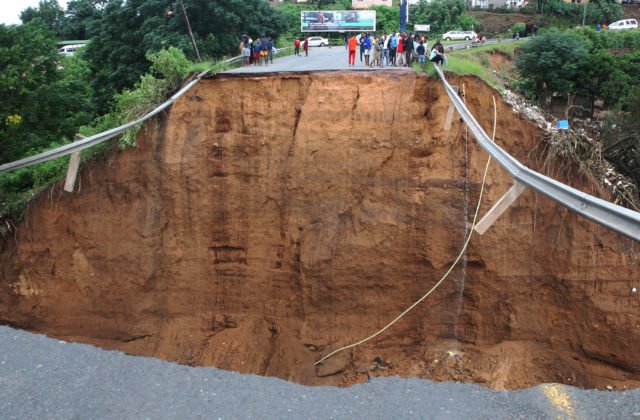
x=584 y=12
x=193 y=41
x=403 y=15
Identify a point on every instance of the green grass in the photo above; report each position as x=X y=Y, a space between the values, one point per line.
x=467 y=67
x=475 y=62
x=199 y=67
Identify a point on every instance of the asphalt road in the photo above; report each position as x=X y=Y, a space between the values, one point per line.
x=43 y=378
x=320 y=58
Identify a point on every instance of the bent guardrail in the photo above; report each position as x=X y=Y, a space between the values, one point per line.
x=612 y=216
x=80 y=145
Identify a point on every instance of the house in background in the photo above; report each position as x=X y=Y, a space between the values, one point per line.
x=497 y=4
x=364 y=4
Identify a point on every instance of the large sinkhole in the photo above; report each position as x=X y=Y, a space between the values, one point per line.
x=266 y=221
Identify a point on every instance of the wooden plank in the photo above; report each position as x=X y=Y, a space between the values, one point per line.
x=500 y=207
x=72 y=169
x=449 y=120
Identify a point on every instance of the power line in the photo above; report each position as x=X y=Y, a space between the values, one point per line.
x=193 y=41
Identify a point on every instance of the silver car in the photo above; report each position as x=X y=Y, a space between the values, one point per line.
x=318 y=41
x=456 y=35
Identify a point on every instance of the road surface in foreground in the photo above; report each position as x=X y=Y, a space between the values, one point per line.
x=47 y=378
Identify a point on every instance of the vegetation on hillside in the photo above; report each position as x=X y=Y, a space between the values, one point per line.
x=598 y=65
x=481 y=62
x=443 y=15
x=601 y=67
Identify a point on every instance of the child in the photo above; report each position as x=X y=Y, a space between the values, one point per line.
x=420 y=51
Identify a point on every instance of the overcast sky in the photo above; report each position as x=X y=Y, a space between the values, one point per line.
x=10 y=9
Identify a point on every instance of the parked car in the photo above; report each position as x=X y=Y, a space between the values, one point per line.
x=318 y=41
x=455 y=35
x=624 y=24
x=70 y=49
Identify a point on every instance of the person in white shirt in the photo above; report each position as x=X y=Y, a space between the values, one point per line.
x=385 y=49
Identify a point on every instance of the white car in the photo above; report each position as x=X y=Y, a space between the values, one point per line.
x=69 y=50
x=624 y=24
x=318 y=41
x=455 y=35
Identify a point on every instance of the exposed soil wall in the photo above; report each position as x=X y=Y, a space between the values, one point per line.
x=267 y=220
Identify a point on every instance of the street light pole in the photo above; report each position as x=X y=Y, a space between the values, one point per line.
x=403 y=15
x=193 y=41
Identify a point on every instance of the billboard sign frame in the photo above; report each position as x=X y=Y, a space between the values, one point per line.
x=337 y=21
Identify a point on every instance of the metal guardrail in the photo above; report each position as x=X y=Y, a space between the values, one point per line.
x=469 y=44
x=617 y=218
x=612 y=216
x=80 y=145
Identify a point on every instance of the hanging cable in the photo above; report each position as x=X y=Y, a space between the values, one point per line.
x=462 y=251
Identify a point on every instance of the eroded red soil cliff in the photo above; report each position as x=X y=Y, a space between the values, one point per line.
x=267 y=220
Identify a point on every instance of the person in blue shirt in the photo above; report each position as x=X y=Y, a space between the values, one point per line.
x=421 y=52
x=367 y=49
x=393 y=47
x=270 y=49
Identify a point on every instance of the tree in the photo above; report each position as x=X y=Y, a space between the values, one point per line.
x=552 y=62
x=443 y=15
x=48 y=12
x=602 y=77
x=28 y=56
x=80 y=16
x=44 y=98
x=126 y=31
x=621 y=136
x=388 y=18
x=602 y=11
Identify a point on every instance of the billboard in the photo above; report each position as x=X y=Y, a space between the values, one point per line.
x=338 y=20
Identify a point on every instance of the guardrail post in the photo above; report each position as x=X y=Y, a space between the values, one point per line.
x=449 y=120
x=72 y=170
x=500 y=207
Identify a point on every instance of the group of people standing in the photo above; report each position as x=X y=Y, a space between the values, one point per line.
x=392 y=50
x=258 y=51
x=386 y=50
x=305 y=46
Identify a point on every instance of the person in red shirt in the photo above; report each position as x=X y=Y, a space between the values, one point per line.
x=353 y=45
x=296 y=46
x=400 y=50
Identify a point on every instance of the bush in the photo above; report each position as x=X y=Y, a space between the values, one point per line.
x=580 y=62
x=168 y=69
x=552 y=61
x=443 y=15
x=560 y=8
x=602 y=11
x=519 y=28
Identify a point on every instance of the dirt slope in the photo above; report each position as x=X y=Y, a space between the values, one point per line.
x=493 y=23
x=267 y=220
x=631 y=11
